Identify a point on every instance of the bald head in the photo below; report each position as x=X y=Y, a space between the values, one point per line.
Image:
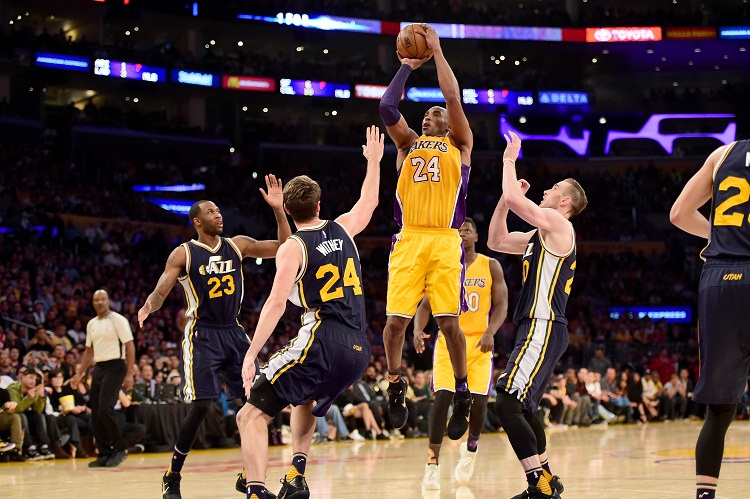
x=101 y=302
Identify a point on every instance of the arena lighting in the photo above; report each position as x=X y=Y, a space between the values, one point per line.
x=60 y=61
x=314 y=88
x=579 y=146
x=325 y=23
x=129 y=70
x=179 y=206
x=625 y=34
x=169 y=188
x=676 y=315
x=650 y=130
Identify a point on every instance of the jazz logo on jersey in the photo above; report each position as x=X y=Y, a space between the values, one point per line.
x=216 y=266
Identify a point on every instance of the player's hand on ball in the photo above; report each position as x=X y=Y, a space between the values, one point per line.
x=413 y=63
x=433 y=40
x=373 y=149
x=275 y=194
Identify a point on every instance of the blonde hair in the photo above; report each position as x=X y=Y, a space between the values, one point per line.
x=577 y=197
x=301 y=197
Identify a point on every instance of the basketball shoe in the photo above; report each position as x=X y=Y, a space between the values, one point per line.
x=465 y=465
x=397 y=411
x=431 y=480
x=459 y=421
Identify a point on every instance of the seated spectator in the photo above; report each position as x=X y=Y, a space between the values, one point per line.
x=62 y=405
x=6 y=369
x=133 y=433
x=11 y=421
x=676 y=398
x=42 y=341
x=361 y=411
x=77 y=333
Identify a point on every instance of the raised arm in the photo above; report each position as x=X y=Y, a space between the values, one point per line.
x=394 y=122
x=175 y=266
x=288 y=262
x=498 y=237
x=249 y=247
x=684 y=213
x=356 y=219
x=460 y=131
x=546 y=219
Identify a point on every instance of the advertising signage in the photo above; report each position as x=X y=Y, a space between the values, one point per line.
x=566 y=98
x=129 y=70
x=702 y=33
x=250 y=83
x=195 y=78
x=604 y=35
x=60 y=61
x=365 y=91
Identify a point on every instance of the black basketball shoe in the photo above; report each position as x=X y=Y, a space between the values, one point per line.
x=397 y=411
x=296 y=489
x=170 y=486
x=459 y=422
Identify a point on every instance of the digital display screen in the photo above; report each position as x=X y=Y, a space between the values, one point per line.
x=363 y=91
x=485 y=32
x=647 y=34
x=169 y=188
x=565 y=98
x=669 y=314
x=424 y=94
x=251 y=83
x=314 y=88
x=325 y=23
x=735 y=33
x=129 y=70
x=59 y=61
x=491 y=96
x=179 y=206
x=195 y=78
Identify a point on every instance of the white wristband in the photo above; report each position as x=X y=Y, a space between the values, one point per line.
x=508 y=159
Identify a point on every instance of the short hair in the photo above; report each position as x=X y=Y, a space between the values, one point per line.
x=470 y=221
x=301 y=198
x=577 y=196
x=195 y=210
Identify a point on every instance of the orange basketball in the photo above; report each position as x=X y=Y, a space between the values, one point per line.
x=411 y=42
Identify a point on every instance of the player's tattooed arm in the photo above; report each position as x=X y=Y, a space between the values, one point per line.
x=175 y=266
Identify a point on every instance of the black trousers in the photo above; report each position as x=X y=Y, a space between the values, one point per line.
x=105 y=390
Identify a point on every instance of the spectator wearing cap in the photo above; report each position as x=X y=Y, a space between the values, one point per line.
x=30 y=398
x=10 y=420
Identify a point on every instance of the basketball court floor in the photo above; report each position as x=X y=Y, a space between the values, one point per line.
x=644 y=462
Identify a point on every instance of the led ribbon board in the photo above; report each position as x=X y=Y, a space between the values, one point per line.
x=325 y=23
x=669 y=314
x=169 y=188
x=60 y=61
x=651 y=131
x=129 y=70
x=491 y=96
x=251 y=83
x=314 y=88
x=563 y=98
x=735 y=33
x=579 y=146
x=605 y=35
x=483 y=32
x=195 y=78
x=179 y=206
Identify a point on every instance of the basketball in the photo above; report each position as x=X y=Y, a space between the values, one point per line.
x=411 y=42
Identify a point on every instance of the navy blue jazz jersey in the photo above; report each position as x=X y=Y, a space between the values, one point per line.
x=213 y=343
x=330 y=351
x=724 y=291
x=547 y=278
x=213 y=283
x=329 y=284
x=730 y=209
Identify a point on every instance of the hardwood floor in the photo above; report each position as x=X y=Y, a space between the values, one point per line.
x=643 y=462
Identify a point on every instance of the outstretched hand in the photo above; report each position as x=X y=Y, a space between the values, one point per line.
x=373 y=149
x=275 y=195
x=413 y=63
x=513 y=147
x=431 y=37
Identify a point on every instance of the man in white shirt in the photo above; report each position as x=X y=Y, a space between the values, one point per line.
x=109 y=339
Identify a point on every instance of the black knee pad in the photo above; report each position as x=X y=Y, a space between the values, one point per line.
x=505 y=403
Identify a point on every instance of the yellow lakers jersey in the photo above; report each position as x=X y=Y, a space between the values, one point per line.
x=432 y=183
x=478 y=289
